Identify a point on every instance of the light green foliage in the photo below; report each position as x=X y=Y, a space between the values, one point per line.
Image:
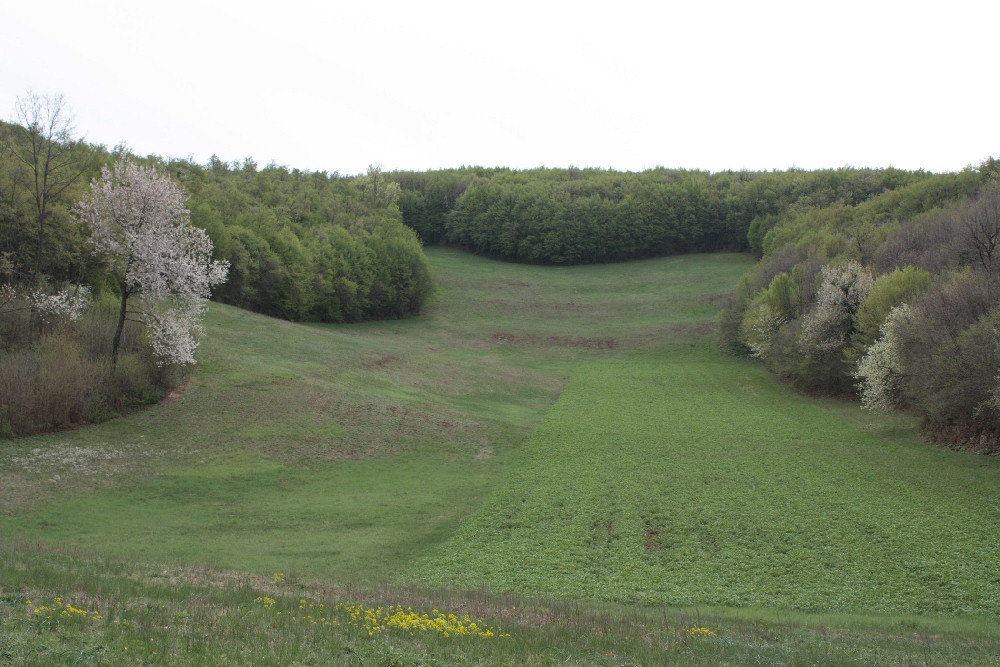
x=760 y=324
x=888 y=291
x=376 y=189
x=768 y=311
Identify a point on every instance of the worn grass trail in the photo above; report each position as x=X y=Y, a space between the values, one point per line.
x=683 y=477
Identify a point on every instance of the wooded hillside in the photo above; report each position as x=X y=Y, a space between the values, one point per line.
x=895 y=299
x=302 y=245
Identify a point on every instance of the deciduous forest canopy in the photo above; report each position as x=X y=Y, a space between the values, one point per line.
x=841 y=250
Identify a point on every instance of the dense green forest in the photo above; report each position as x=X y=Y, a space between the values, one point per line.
x=308 y=245
x=580 y=216
x=301 y=245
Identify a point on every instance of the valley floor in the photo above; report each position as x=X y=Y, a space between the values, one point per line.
x=540 y=448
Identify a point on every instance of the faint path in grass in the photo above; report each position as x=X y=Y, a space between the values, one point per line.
x=686 y=477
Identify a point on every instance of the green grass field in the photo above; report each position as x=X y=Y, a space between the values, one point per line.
x=680 y=477
x=562 y=453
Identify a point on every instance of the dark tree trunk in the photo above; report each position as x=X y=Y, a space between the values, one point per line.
x=116 y=342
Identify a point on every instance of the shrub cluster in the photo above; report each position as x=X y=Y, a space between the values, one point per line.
x=56 y=372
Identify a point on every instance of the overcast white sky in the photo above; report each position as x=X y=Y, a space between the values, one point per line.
x=621 y=84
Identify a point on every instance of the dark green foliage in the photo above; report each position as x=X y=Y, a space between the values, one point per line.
x=579 y=216
x=428 y=197
x=308 y=245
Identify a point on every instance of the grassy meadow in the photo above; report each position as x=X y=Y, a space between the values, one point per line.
x=562 y=454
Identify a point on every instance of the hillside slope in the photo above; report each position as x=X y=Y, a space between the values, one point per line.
x=345 y=450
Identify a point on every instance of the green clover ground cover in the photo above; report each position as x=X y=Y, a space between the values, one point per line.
x=685 y=477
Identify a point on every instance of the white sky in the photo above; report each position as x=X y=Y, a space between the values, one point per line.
x=699 y=84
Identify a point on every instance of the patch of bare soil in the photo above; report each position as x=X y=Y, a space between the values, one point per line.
x=177 y=391
x=531 y=340
x=378 y=361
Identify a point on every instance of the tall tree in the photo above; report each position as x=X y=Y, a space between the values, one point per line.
x=376 y=189
x=46 y=145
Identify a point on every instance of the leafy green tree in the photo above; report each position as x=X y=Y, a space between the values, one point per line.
x=376 y=189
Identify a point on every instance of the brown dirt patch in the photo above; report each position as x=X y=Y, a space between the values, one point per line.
x=531 y=340
x=378 y=361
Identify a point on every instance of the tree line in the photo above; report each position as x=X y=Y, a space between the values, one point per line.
x=301 y=245
x=308 y=245
x=579 y=216
x=895 y=299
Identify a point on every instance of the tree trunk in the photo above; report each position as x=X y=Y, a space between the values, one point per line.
x=116 y=342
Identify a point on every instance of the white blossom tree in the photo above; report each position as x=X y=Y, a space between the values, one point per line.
x=828 y=326
x=879 y=371
x=163 y=264
x=67 y=304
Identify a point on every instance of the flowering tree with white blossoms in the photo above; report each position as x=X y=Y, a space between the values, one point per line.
x=880 y=370
x=65 y=303
x=163 y=264
x=828 y=326
x=46 y=308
